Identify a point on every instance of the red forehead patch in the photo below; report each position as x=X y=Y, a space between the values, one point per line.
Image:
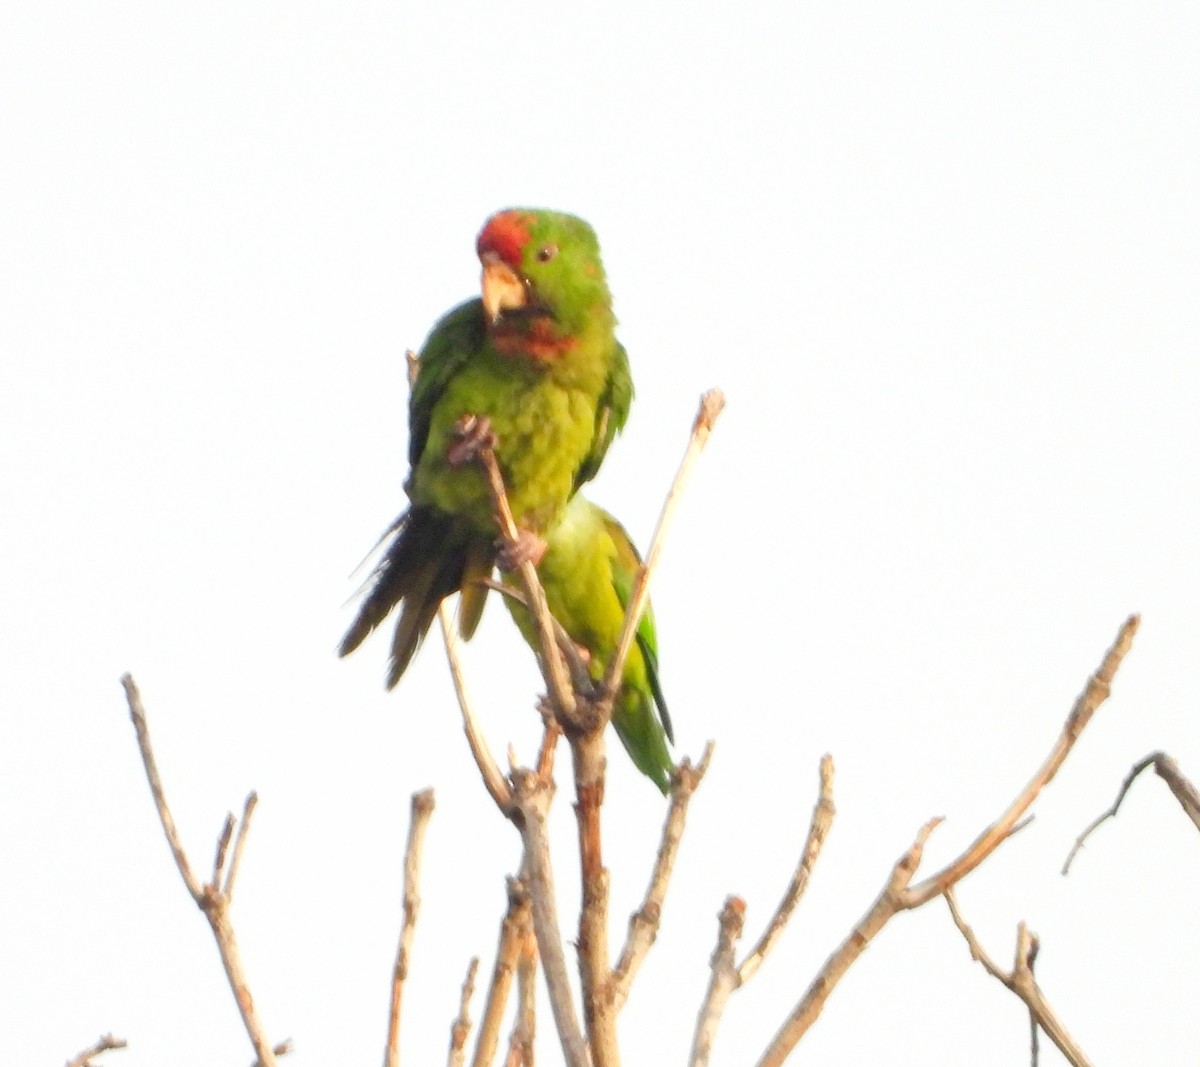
x=505 y=235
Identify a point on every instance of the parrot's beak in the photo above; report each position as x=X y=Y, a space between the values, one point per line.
x=503 y=288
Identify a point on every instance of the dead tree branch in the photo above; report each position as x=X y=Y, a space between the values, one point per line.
x=711 y=404
x=532 y=795
x=508 y=951
x=460 y=1029
x=1168 y=770
x=422 y=809
x=212 y=899
x=1020 y=981
x=520 y=1042
x=727 y=975
x=106 y=1042
x=643 y=923
x=899 y=895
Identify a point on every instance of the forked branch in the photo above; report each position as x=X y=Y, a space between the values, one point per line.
x=213 y=898
x=898 y=894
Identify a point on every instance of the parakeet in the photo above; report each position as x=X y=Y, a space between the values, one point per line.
x=536 y=358
x=588 y=572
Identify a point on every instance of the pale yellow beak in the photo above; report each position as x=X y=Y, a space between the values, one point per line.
x=502 y=286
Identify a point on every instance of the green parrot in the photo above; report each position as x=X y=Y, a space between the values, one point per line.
x=535 y=358
x=588 y=572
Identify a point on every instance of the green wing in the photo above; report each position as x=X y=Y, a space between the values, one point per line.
x=457 y=336
x=611 y=413
x=625 y=568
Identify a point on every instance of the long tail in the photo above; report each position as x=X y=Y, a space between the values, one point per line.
x=429 y=557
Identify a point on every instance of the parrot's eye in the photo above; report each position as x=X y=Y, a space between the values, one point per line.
x=547 y=253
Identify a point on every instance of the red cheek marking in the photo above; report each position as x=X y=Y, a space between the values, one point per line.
x=505 y=234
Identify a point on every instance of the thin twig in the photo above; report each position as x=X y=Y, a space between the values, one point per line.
x=460 y=1029
x=722 y=981
x=106 y=1042
x=711 y=404
x=900 y=895
x=508 y=951
x=520 y=1043
x=210 y=899
x=532 y=796
x=728 y=975
x=643 y=923
x=489 y=769
x=1020 y=981
x=239 y=843
x=1095 y=692
x=1168 y=770
x=422 y=809
x=282 y=1048
x=553 y=668
x=818 y=830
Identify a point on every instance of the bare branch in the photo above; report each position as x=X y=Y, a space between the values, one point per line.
x=106 y=1042
x=489 y=770
x=210 y=899
x=1020 y=981
x=1168 y=770
x=138 y=714
x=282 y=1048
x=460 y=1029
x=535 y=597
x=516 y=920
x=422 y=809
x=885 y=906
x=1095 y=692
x=711 y=404
x=643 y=923
x=532 y=796
x=727 y=975
x=239 y=843
x=721 y=983
x=818 y=830
x=595 y=979
x=899 y=895
x=520 y=1044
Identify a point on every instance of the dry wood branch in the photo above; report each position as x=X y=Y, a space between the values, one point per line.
x=422 y=809
x=553 y=668
x=727 y=975
x=106 y=1042
x=643 y=923
x=516 y=922
x=1020 y=981
x=489 y=769
x=1168 y=770
x=460 y=1029
x=711 y=404
x=722 y=981
x=900 y=895
x=211 y=899
x=818 y=830
x=532 y=795
x=595 y=979
x=884 y=907
x=239 y=843
x=520 y=1044
x=1094 y=693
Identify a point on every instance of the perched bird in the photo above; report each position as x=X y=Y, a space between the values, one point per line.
x=535 y=358
x=588 y=572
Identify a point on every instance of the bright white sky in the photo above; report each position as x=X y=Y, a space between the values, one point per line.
x=943 y=259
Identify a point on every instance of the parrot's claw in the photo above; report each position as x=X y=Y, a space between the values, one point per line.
x=527 y=548
x=472 y=434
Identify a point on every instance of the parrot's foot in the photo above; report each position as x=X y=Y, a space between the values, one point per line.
x=472 y=434
x=527 y=548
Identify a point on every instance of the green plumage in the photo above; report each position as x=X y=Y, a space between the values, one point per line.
x=588 y=573
x=547 y=371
